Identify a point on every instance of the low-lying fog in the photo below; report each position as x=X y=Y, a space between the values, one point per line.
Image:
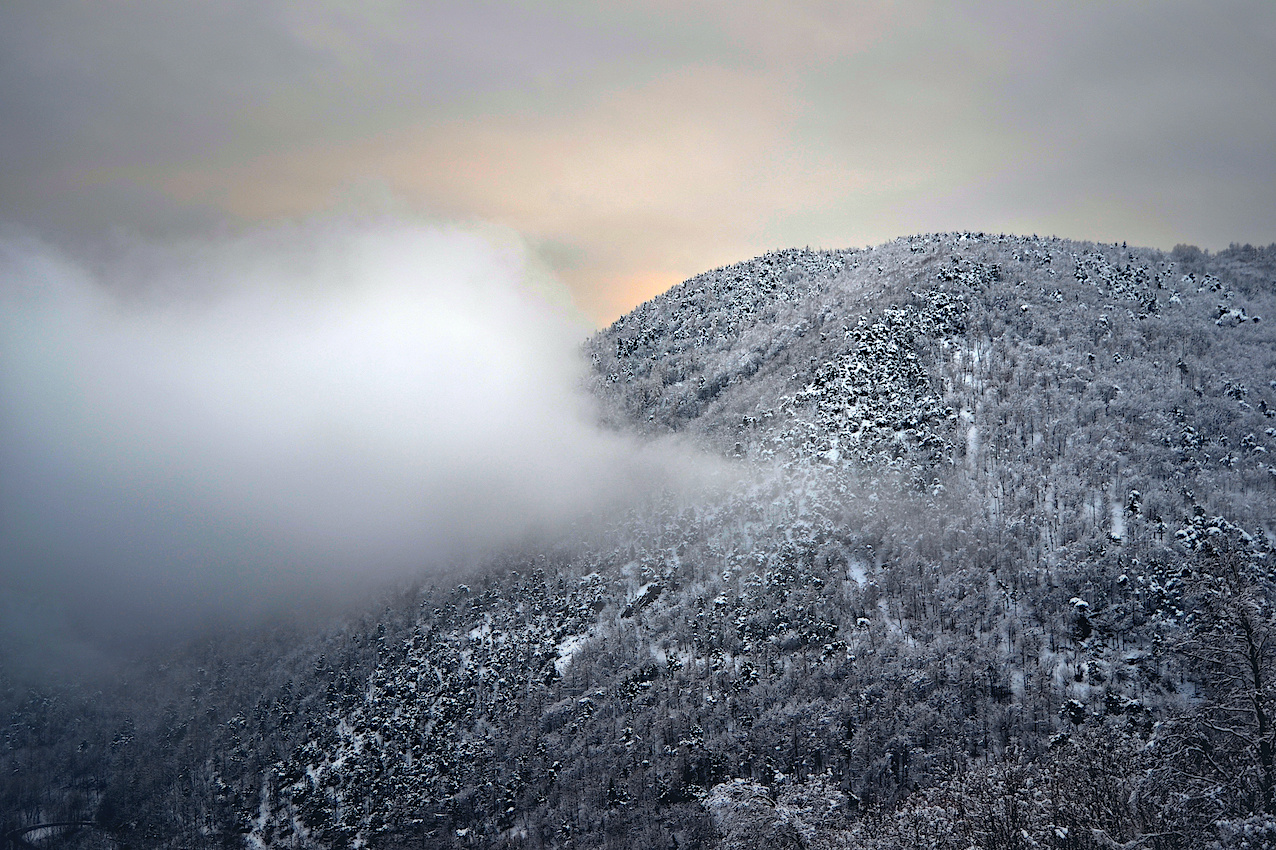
x=210 y=430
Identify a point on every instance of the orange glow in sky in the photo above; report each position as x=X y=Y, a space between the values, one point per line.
x=635 y=143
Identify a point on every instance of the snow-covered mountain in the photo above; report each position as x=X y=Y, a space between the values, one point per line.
x=999 y=573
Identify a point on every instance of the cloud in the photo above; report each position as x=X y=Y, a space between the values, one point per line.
x=192 y=431
x=651 y=185
x=652 y=138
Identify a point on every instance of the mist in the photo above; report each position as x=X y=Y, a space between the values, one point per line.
x=210 y=430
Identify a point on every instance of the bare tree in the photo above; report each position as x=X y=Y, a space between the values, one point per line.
x=1219 y=755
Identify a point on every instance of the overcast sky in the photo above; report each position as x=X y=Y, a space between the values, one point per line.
x=635 y=143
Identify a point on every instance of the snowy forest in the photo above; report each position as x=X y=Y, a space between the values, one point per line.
x=995 y=570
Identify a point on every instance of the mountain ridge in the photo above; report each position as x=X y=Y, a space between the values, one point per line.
x=1011 y=517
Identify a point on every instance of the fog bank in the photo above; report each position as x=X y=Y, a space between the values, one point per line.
x=199 y=430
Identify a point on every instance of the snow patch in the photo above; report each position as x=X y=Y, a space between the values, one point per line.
x=1117 y=531
x=567 y=649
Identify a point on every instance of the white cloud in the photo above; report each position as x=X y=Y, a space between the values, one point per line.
x=188 y=430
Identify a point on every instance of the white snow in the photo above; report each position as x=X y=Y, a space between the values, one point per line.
x=1117 y=532
x=567 y=650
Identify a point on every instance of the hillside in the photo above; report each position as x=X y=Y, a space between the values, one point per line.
x=1000 y=575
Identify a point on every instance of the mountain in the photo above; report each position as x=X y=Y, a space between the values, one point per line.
x=996 y=570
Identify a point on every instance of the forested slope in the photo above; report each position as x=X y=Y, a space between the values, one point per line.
x=1000 y=574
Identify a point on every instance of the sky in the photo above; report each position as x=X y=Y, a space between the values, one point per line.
x=633 y=144
x=291 y=293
